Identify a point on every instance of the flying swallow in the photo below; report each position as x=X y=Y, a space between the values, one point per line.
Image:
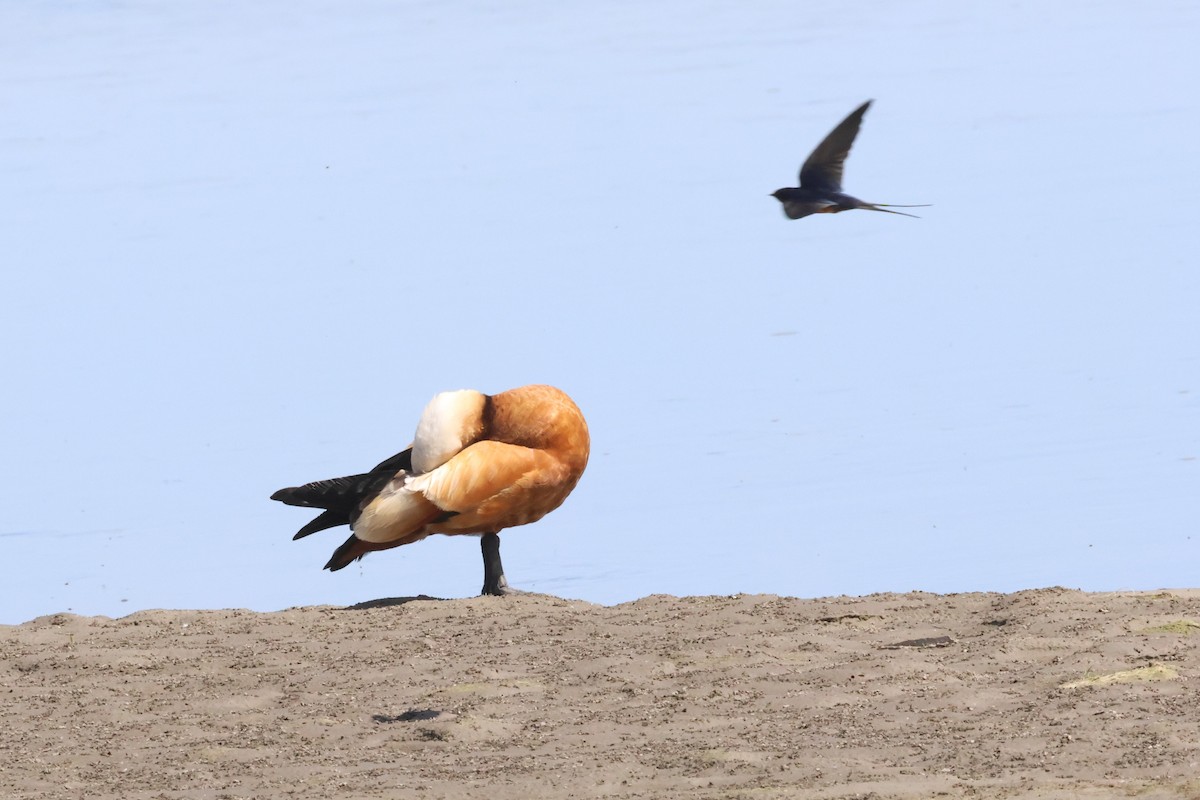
x=478 y=464
x=820 y=190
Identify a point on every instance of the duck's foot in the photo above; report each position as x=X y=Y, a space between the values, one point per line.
x=494 y=582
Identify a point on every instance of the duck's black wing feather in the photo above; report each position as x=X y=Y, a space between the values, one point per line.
x=342 y=498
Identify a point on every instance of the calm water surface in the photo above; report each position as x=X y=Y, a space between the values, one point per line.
x=245 y=245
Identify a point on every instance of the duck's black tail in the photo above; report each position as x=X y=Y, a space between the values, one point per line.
x=341 y=498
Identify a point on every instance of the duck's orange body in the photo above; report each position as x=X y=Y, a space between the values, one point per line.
x=478 y=464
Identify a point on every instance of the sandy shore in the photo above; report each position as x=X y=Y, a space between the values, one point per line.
x=1045 y=694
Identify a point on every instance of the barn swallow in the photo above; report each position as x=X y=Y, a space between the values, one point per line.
x=478 y=464
x=820 y=190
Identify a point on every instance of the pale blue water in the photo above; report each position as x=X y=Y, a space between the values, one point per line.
x=243 y=245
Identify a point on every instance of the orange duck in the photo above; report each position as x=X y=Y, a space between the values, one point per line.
x=478 y=464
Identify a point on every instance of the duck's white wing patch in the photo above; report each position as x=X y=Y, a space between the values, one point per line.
x=395 y=513
x=449 y=423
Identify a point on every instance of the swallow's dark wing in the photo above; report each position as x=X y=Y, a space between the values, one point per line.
x=823 y=169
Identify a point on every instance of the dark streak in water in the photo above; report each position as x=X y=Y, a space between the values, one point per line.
x=61 y=534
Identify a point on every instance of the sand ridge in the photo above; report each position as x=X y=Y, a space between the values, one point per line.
x=1048 y=694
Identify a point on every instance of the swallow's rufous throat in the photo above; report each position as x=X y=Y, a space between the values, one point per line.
x=478 y=464
x=820 y=190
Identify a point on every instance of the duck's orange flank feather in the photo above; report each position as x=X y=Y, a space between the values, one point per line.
x=492 y=485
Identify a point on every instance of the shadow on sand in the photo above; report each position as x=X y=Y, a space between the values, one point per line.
x=385 y=602
x=412 y=715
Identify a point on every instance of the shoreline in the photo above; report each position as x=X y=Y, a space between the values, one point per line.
x=1041 y=693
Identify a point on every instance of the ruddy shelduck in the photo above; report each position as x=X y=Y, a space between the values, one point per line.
x=478 y=464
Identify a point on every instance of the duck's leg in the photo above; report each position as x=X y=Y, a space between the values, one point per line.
x=493 y=571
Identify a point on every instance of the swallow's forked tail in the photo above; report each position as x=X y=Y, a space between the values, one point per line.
x=887 y=208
